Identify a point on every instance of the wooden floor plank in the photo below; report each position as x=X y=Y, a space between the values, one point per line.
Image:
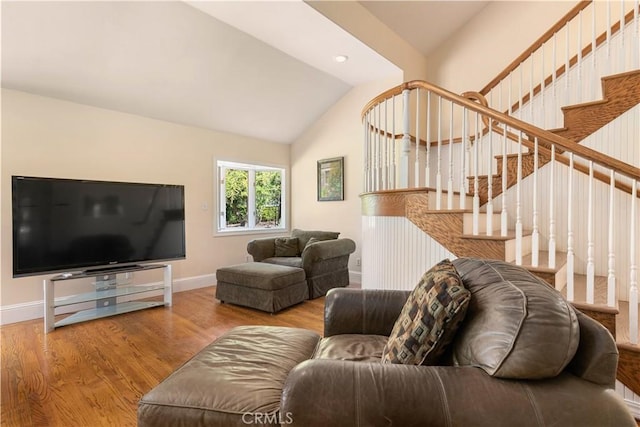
x=94 y=373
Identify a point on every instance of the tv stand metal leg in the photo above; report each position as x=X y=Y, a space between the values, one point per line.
x=49 y=313
x=168 y=285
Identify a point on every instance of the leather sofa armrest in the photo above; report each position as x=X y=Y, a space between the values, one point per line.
x=337 y=393
x=596 y=359
x=357 y=311
x=261 y=249
x=327 y=249
x=324 y=392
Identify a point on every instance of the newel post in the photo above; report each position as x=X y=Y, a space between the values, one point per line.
x=403 y=167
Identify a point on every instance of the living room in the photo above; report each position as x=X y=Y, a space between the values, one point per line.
x=47 y=135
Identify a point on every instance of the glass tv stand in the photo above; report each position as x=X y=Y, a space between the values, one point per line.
x=108 y=297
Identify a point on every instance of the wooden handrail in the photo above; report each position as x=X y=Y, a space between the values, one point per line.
x=536 y=45
x=543 y=136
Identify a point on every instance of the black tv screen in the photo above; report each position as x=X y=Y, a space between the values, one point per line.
x=65 y=224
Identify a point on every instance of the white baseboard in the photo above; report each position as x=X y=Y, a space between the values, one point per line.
x=35 y=309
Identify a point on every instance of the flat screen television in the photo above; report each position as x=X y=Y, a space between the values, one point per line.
x=62 y=225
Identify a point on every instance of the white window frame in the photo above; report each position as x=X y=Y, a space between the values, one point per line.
x=220 y=214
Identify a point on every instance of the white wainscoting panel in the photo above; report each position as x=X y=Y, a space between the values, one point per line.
x=396 y=253
x=631 y=399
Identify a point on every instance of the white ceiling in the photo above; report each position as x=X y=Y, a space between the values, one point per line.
x=263 y=69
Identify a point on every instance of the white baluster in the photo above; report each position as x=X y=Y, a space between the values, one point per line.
x=607 y=66
x=406 y=141
x=552 y=209
x=463 y=194
x=554 y=96
x=365 y=152
x=427 y=171
x=520 y=116
x=567 y=92
x=593 y=53
x=379 y=151
x=535 y=236
x=636 y=24
x=384 y=149
x=510 y=102
x=439 y=159
x=504 y=218
x=394 y=168
x=476 y=167
x=416 y=168
x=543 y=123
x=531 y=118
x=372 y=143
x=633 y=270
x=519 y=203
x=570 y=256
x=450 y=180
x=490 y=182
x=579 y=80
x=622 y=38
x=374 y=155
x=590 y=242
x=611 y=264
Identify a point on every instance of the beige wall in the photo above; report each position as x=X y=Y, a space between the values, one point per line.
x=338 y=133
x=490 y=41
x=52 y=138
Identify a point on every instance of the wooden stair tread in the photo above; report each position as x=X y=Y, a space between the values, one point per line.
x=511 y=234
x=585 y=104
x=543 y=262
x=600 y=303
x=580 y=289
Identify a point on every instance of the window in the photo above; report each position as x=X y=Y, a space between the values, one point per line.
x=251 y=197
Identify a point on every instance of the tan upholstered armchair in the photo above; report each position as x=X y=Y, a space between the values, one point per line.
x=323 y=256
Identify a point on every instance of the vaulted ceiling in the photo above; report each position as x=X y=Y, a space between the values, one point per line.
x=263 y=69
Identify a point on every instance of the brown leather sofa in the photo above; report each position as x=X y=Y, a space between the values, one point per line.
x=522 y=357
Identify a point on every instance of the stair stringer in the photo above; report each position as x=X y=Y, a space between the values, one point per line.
x=629 y=366
x=446 y=227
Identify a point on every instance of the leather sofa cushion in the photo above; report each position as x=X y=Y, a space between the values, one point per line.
x=517 y=326
x=353 y=347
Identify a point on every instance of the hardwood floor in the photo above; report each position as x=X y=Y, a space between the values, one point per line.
x=94 y=373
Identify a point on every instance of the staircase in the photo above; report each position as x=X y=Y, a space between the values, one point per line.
x=464 y=222
x=477 y=181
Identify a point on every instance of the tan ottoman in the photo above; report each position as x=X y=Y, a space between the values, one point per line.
x=263 y=286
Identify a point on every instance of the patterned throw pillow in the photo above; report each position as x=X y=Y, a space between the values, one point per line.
x=286 y=246
x=429 y=318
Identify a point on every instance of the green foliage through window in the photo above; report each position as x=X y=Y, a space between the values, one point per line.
x=252 y=196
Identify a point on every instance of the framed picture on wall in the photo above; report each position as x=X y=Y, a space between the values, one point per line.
x=331 y=179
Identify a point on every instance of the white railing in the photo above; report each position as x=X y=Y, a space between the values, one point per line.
x=565 y=66
x=545 y=184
